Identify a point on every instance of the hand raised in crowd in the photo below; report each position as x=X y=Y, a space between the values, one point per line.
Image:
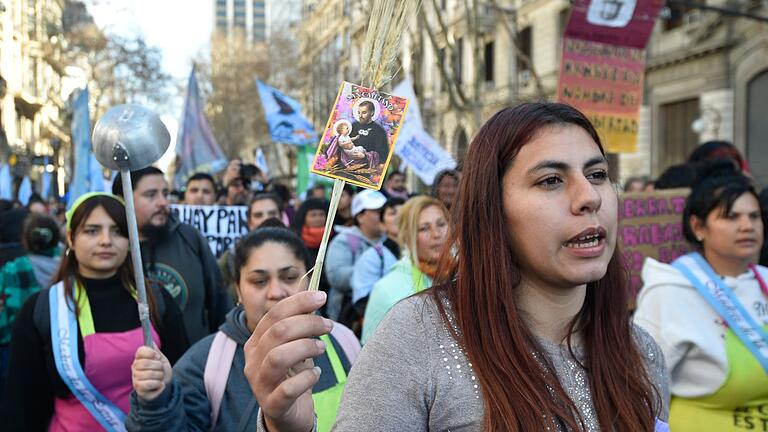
x=278 y=362
x=150 y=373
x=232 y=172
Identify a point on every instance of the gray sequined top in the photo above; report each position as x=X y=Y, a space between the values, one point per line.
x=413 y=376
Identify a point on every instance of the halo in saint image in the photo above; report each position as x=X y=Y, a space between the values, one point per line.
x=339 y=122
x=356 y=107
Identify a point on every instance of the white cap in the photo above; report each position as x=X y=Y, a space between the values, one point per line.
x=368 y=199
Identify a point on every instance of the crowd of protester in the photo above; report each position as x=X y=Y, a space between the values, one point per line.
x=459 y=330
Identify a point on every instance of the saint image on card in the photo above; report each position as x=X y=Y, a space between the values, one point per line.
x=360 y=135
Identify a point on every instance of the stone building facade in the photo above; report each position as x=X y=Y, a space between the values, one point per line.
x=703 y=67
x=32 y=108
x=707 y=78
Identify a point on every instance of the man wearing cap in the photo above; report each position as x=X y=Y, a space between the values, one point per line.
x=176 y=256
x=348 y=245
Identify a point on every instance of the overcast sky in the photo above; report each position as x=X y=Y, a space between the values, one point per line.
x=181 y=29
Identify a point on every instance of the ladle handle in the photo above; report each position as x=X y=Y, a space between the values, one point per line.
x=138 y=268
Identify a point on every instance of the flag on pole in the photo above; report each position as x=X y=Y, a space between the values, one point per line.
x=87 y=175
x=25 y=191
x=413 y=115
x=196 y=148
x=261 y=162
x=304 y=178
x=6 y=182
x=45 y=184
x=95 y=175
x=415 y=147
x=283 y=114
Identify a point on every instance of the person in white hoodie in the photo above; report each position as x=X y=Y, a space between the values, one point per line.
x=708 y=311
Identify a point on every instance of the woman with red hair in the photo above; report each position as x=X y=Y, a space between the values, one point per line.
x=530 y=330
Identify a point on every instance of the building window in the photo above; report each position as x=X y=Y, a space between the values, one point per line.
x=757 y=128
x=525 y=43
x=674 y=16
x=489 y=61
x=457 y=60
x=677 y=138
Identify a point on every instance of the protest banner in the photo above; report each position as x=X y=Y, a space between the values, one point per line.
x=360 y=135
x=424 y=155
x=415 y=147
x=603 y=65
x=651 y=226
x=221 y=226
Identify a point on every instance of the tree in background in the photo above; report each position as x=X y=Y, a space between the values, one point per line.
x=480 y=18
x=228 y=86
x=119 y=69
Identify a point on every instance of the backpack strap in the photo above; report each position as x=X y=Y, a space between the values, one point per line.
x=379 y=248
x=354 y=243
x=217 y=367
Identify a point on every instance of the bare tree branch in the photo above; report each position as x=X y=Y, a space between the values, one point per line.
x=452 y=98
x=526 y=60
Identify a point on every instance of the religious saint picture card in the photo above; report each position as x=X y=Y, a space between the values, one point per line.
x=360 y=136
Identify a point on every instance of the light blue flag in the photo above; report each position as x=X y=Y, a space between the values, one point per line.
x=196 y=148
x=261 y=162
x=25 y=191
x=283 y=114
x=6 y=182
x=81 y=144
x=45 y=184
x=95 y=175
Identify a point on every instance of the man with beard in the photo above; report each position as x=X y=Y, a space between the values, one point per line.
x=176 y=256
x=371 y=136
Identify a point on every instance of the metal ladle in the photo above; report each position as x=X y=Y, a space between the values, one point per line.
x=128 y=138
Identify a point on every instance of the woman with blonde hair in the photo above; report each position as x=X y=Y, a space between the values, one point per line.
x=422 y=231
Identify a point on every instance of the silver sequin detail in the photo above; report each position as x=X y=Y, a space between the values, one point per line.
x=456 y=362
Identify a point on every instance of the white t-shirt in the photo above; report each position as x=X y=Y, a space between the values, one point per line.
x=690 y=333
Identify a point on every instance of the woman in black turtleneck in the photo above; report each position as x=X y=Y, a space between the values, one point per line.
x=104 y=326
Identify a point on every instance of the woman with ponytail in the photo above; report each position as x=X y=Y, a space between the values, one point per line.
x=529 y=330
x=73 y=343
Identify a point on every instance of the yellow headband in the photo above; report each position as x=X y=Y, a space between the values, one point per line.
x=84 y=197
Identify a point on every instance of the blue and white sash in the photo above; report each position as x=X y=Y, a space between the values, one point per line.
x=696 y=269
x=64 y=344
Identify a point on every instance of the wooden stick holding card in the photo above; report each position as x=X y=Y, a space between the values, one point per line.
x=359 y=138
